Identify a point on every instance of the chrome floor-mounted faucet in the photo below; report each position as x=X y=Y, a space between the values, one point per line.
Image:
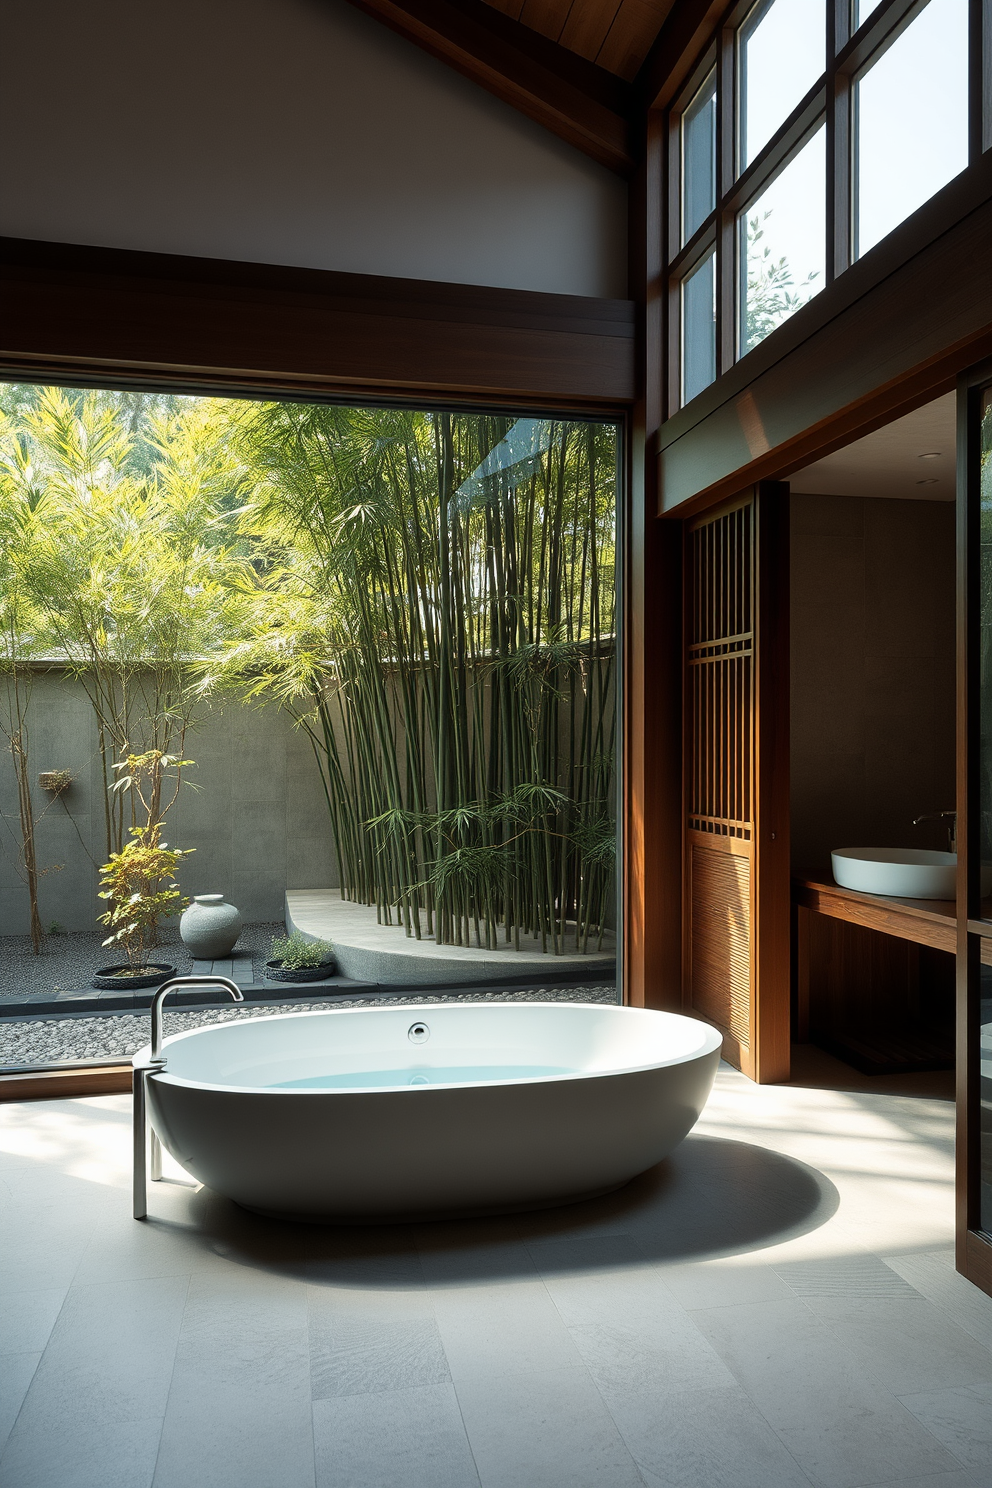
x=139 y=1079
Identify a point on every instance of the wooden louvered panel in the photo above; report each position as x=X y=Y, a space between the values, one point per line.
x=719 y=772
x=720 y=681
x=736 y=777
x=720 y=938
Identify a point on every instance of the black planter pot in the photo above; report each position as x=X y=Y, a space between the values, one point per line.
x=107 y=982
x=276 y=972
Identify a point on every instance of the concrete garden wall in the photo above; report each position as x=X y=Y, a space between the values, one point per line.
x=258 y=820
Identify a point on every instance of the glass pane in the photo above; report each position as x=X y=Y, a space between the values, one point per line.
x=911 y=113
x=699 y=158
x=985 y=662
x=699 y=328
x=355 y=662
x=782 y=50
x=862 y=10
x=782 y=244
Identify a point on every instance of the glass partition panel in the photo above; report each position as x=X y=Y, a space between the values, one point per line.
x=911 y=121
x=781 y=53
x=699 y=328
x=782 y=245
x=342 y=670
x=699 y=158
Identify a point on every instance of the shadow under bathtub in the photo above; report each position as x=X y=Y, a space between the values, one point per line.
x=712 y=1198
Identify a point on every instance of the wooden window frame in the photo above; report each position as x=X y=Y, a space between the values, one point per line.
x=829 y=103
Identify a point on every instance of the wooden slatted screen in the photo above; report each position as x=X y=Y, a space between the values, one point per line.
x=719 y=756
x=736 y=878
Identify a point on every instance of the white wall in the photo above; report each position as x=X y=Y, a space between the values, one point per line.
x=288 y=131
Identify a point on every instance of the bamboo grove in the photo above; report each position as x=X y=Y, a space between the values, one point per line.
x=429 y=596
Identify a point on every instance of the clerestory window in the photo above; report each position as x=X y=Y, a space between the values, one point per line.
x=808 y=132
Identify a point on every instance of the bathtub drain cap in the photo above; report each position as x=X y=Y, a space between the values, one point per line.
x=418 y=1033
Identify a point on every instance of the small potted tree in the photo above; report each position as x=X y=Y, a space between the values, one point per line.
x=139 y=882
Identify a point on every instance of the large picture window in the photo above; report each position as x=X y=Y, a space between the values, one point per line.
x=808 y=132
x=346 y=671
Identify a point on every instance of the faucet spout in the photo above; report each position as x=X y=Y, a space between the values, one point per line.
x=952 y=830
x=231 y=988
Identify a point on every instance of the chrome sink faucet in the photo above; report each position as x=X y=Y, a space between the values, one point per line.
x=139 y=1083
x=952 y=830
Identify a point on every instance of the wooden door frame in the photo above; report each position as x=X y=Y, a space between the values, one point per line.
x=973 y=1248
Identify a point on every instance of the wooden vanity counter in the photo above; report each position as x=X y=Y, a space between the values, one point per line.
x=869 y=986
x=929 y=922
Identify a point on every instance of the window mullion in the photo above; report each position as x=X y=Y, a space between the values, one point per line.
x=726 y=248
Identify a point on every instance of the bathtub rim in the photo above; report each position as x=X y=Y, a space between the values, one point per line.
x=711 y=1044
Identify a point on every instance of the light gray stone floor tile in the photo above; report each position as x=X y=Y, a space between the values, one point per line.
x=239 y=1406
x=724 y=1283
x=960 y=1418
x=373 y=1341
x=28 y=1319
x=861 y=1277
x=704 y=1438
x=393 y=1439
x=841 y=1427
x=104 y=1378
x=502 y=1329
x=904 y=1343
x=547 y=1428
x=460 y=1262
x=16 y=1374
x=585 y=1292
x=961 y=1478
x=673 y=1356
x=43 y=1273
x=932 y=1273
x=79 y=1451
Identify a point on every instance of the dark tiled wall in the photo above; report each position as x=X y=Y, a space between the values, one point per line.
x=872 y=673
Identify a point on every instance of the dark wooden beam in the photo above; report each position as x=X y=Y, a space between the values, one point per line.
x=676 y=51
x=583 y=104
x=113 y=314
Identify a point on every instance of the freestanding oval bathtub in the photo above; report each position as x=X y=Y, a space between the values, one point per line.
x=386 y=1114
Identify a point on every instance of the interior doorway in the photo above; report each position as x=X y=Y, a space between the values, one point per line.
x=872 y=713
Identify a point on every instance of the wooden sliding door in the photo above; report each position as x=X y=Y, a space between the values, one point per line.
x=736 y=788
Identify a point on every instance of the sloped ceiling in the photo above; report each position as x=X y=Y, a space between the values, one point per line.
x=615 y=34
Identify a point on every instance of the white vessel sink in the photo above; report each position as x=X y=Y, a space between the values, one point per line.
x=898 y=872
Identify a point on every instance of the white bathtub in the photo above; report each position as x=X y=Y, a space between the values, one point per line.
x=389 y=1113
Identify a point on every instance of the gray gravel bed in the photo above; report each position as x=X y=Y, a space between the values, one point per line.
x=60 y=1040
x=67 y=962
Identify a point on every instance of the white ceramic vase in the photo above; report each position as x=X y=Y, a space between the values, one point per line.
x=210 y=927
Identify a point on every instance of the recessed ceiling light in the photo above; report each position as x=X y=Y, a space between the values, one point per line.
x=933 y=481
x=932 y=455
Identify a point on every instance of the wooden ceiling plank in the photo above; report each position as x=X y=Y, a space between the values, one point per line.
x=547 y=17
x=632 y=35
x=511 y=8
x=581 y=103
x=587 y=26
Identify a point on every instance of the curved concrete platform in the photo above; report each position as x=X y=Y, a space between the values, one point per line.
x=369 y=952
